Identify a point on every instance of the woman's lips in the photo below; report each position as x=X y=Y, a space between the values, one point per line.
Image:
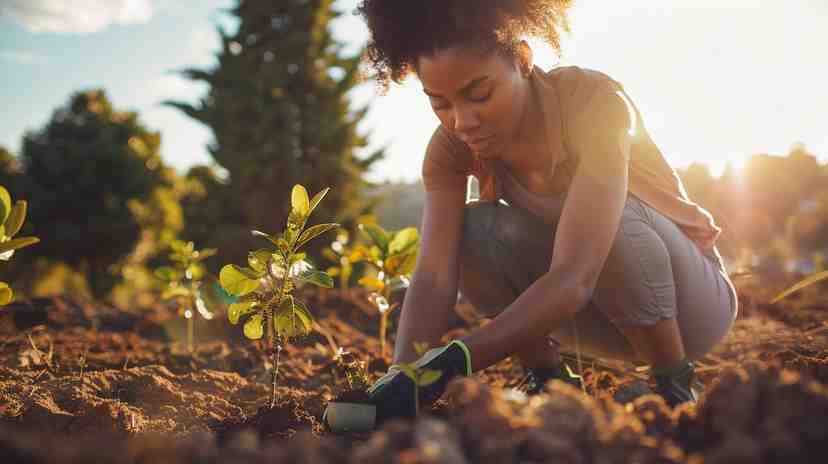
x=479 y=143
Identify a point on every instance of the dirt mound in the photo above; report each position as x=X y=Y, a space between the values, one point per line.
x=78 y=385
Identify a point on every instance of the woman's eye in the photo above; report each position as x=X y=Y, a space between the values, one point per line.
x=481 y=98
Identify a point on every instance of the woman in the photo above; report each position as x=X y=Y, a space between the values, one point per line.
x=599 y=247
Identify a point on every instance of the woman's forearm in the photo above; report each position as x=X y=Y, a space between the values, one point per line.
x=424 y=318
x=549 y=302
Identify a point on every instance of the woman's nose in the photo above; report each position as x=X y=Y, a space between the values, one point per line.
x=465 y=121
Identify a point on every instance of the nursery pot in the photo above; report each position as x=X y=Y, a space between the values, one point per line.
x=350 y=417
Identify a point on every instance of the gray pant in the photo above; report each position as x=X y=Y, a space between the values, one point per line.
x=653 y=272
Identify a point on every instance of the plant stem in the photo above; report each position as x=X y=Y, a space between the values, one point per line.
x=276 y=356
x=190 y=331
x=382 y=328
x=271 y=329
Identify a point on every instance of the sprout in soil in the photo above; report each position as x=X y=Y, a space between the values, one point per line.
x=183 y=283
x=11 y=220
x=265 y=304
x=421 y=377
x=393 y=256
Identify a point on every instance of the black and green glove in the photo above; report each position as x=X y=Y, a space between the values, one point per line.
x=394 y=393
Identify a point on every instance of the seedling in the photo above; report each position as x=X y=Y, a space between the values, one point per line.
x=421 y=377
x=183 y=283
x=264 y=287
x=393 y=256
x=11 y=220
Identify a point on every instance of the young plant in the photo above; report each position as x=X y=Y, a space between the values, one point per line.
x=393 y=256
x=265 y=304
x=420 y=377
x=11 y=220
x=183 y=283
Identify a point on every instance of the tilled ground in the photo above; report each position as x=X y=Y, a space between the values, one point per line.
x=89 y=383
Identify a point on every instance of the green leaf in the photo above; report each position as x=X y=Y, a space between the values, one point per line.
x=313 y=231
x=268 y=237
x=196 y=271
x=6 y=294
x=317 y=198
x=296 y=257
x=173 y=292
x=408 y=264
x=403 y=241
x=371 y=283
x=166 y=273
x=295 y=222
x=316 y=277
x=17 y=243
x=293 y=319
x=237 y=310
x=238 y=281
x=406 y=369
x=254 y=327
x=802 y=284
x=377 y=234
x=5 y=204
x=15 y=219
x=429 y=376
x=283 y=244
x=258 y=260
x=299 y=200
x=205 y=253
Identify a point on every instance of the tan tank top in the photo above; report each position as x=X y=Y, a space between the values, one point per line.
x=575 y=104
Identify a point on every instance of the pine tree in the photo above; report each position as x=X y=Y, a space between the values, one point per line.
x=279 y=112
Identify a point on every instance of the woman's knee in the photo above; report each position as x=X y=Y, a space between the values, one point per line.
x=636 y=286
x=499 y=255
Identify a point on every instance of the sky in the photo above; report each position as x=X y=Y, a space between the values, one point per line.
x=716 y=80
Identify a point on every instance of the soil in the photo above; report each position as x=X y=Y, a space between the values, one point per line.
x=86 y=382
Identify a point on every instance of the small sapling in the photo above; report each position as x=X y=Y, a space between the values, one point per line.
x=265 y=304
x=183 y=283
x=393 y=257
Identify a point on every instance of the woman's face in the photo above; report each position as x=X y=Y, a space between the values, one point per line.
x=480 y=98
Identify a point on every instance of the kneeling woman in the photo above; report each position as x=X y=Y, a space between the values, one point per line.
x=595 y=241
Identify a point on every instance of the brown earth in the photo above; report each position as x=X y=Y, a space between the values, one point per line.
x=83 y=382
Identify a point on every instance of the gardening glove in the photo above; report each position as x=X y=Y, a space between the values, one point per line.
x=394 y=393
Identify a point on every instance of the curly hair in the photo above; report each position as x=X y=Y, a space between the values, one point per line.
x=404 y=30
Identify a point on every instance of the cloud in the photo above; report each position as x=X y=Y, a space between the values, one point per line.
x=21 y=57
x=75 y=16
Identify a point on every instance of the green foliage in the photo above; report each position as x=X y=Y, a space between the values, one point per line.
x=421 y=377
x=278 y=105
x=393 y=256
x=97 y=177
x=265 y=304
x=183 y=281
x=12 y=216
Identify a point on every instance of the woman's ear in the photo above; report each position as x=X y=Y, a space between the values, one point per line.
x=525 y=58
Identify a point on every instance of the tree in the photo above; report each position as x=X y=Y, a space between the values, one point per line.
x=279 y=112
x=95 y=182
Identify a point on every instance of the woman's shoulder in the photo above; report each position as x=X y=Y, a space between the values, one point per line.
x=576 y=84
